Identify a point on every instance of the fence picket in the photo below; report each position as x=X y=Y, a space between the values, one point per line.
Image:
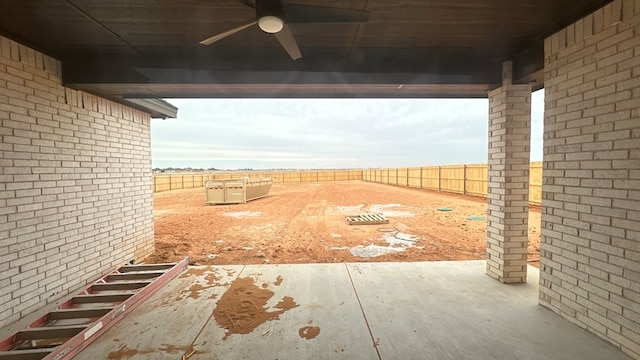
x=460 y=179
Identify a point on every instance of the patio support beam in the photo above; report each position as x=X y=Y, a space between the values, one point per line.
x=508 y=188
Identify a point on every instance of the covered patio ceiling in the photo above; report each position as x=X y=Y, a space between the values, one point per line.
x=412 y=48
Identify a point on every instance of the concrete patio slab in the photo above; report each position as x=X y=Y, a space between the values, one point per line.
x=326 y=303
x=426 y=310
x=452 y=310
x=165 y=326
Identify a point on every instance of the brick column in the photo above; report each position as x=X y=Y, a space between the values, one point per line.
x=508 y=188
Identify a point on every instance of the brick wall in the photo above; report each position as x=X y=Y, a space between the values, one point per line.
x=75 y=183
x=590 y=251
x=508 y=186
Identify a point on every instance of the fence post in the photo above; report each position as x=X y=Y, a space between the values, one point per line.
x=439 y=178
x=464 y=179
x=420 y=177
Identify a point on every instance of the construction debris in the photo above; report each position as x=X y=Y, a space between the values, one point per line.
x=367 y=219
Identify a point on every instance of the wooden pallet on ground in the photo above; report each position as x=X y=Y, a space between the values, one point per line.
x=367 y=219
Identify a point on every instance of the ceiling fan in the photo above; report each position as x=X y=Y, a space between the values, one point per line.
x=272 y=16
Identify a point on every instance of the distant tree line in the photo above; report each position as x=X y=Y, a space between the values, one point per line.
x=195 y=170
x=177 y=170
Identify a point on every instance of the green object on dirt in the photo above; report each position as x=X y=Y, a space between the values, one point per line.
x=475 y=217
x=444 y=209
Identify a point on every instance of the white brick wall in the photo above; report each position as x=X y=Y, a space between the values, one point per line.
x=590 y=263
x=508 y=187
x=75 y=183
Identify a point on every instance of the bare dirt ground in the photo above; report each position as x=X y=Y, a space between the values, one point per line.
x=305 y=223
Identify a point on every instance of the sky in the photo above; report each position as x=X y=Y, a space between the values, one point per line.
x=328 y=133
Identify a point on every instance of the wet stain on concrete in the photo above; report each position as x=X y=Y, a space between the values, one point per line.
x=212 y=278
x=124 y=352
x=230 y=272
x=171 y=349
x=243 y=307
x=194 y=271
x=195 y=290
x=309 y=332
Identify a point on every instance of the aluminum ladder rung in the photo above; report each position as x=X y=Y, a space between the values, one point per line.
x=109 y=286
x=62 y=342
x=78 y=313
x=101 y=298
x=49 y=332
x=146 y=267
x=28 y=354
x=134 y=276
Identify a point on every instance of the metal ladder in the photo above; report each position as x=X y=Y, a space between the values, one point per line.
x=62 y=333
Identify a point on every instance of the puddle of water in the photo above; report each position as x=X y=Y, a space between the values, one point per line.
x=242 y=214
x=370 y=251
x=398 y=241
x=385 y=210
x=400 y=238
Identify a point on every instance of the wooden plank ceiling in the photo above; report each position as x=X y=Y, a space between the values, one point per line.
x=408 y=48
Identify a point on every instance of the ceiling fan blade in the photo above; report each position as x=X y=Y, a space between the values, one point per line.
x=288 y=42
x=299 y=13
x=249 y=3
x=224 y=34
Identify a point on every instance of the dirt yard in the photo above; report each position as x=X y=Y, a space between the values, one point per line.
x=305 y=223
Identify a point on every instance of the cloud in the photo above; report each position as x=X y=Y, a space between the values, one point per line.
x=321 y=133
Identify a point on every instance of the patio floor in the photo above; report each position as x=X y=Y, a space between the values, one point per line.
x=424 y=310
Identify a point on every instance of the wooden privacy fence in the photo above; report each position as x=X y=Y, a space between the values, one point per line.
x=458 y=179
x=166 y=182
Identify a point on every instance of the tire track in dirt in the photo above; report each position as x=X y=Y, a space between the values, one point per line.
x=306 y=228
x=301 y=223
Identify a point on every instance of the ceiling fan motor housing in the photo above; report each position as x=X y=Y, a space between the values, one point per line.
x=270 y=15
